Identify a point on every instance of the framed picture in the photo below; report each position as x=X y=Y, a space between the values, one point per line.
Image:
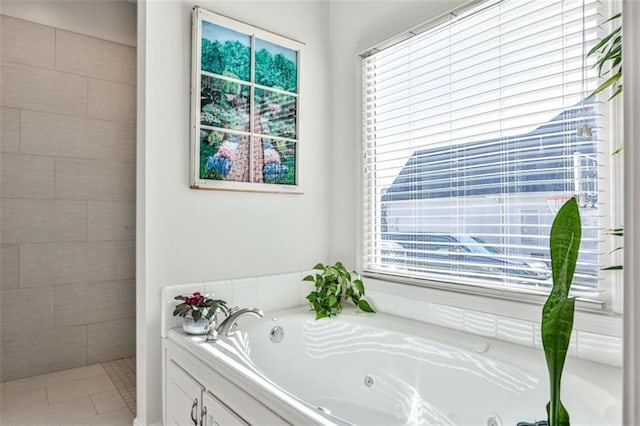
x=245 y=94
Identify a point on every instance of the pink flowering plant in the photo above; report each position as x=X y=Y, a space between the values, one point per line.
x=226 y=152
x=199 y=306
x=271 y=156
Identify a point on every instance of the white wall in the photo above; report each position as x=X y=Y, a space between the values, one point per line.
x=112 y=20
x=186 y=235
x=363 y=23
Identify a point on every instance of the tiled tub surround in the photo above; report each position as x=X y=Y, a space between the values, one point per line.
x=276 y=292
x=68 y=199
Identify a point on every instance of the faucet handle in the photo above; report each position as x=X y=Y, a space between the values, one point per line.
x=212 y=333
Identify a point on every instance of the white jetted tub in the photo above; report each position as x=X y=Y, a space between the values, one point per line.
x=380 y=369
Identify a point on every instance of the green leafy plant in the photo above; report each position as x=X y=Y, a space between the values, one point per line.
x=616 y=232
x=199 y=306
x=335 y=285
x=558 y=311
x=609 y=51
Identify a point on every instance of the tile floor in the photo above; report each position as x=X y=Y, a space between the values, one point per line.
x=98 y=394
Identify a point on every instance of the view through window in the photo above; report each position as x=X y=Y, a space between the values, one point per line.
x=475 y=132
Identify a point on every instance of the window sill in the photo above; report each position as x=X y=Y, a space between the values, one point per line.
x=589 y=316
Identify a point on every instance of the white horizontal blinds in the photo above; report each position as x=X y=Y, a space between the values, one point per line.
x=471 y=146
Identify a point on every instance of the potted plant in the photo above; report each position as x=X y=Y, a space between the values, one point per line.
x=335 y=285
x=198 y=312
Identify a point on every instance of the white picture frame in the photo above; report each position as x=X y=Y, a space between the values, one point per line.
x=242 y=147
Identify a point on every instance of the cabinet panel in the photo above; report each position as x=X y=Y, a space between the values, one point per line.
x=184 y=397
x=217 y=414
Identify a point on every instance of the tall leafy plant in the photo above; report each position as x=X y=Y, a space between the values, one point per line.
x=558 y=311
x=609 y=51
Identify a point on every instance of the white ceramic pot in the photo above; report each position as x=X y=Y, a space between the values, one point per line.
x=201 y=327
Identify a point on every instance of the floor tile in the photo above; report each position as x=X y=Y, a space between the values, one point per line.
x=60 y=413
x=32 y=399
x=78 y=388
x=123 y=374
x=108 y=401
x=122 y=417
x=52 y=378
x=80 y=396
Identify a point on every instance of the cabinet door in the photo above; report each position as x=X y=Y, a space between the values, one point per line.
x=215 y=413
x=184 y=397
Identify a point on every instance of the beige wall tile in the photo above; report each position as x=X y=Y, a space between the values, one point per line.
x=108 y=401
x=79 y=388
x=127 y=141
x=126 y=260
x=67 y=136
x=33 y=221
x=111 y=220
x=45 y=264
x=95 y=58
x=27 y=42
x=14 y=317
x=112 y=101
x=41 y=89
x=9 y=130
x=43 y=350
x=37 y=382
x=10 y=266
x=72 y=307
x=112 y=340
x=26 y=176
x=94 y=180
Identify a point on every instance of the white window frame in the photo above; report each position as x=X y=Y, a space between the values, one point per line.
x=470 y=296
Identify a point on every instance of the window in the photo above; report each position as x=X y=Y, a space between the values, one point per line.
x=471 y=144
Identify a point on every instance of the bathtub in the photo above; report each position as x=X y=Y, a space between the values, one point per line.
x=380 y=369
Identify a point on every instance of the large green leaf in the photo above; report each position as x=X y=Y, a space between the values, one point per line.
x=558 y=311
x=566 y=232
x=364 y=305
x=556 y=334
x=563 y=414
x=604 y=41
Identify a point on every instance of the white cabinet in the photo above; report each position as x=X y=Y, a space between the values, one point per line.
x=183 y=398
x=195 y=393
x=215 y=413
x=188 y=403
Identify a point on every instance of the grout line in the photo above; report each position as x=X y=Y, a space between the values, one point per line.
x=75 y=74
x=55 y=48
x=93 y=404
x=86 y=330
x=19 y=130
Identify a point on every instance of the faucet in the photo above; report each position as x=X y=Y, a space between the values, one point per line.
x=226 y=327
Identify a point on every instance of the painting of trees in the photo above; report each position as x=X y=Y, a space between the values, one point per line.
x=276 y=66
x=247 y=123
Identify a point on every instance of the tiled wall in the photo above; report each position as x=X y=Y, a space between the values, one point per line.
x=586 y=345
x=288 y=290
x=268 y=293
x=68 y=199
